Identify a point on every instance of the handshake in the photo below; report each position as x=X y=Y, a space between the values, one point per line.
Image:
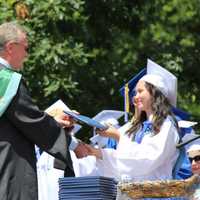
x=68 y=122
x=81 y=149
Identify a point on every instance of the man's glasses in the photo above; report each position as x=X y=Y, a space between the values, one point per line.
x=196 y=158
x=23 y=45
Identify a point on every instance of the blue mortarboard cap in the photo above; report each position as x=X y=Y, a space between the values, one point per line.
x=128 y=91
x=132 y=83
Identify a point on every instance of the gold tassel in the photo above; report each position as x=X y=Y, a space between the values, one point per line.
x=127 y=106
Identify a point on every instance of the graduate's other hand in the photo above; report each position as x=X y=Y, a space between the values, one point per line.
x=93 y=151
x=109 y=132
x=81 y=150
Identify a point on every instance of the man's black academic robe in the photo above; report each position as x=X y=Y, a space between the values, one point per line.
x=21 y=127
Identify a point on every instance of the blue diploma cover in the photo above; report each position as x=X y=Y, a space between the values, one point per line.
x=86 y=120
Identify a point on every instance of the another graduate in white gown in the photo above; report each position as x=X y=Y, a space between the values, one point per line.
x=148 y=154
x=48 y=177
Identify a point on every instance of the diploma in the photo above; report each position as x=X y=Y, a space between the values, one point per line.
x=86 y=120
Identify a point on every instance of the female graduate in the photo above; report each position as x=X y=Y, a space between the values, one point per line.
x=146 y=147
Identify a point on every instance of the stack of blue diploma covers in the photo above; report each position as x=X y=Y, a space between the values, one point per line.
x=87 y=188
x=86 y=120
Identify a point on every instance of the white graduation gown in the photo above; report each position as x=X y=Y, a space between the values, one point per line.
x=153 y=159
x=85 y=166
x=48 y=178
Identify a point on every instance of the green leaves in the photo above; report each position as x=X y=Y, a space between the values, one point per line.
x=6 y=10
x=83 y=51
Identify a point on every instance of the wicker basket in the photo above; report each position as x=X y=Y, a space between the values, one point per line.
x=160 y=189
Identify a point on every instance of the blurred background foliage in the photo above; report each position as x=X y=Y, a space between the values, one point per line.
x=83 y=51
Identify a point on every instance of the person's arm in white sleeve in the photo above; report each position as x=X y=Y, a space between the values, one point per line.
x=140 y=159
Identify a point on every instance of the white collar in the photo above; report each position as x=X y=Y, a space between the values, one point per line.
x=4 y=63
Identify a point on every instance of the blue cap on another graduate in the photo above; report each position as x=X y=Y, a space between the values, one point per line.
x=180 y=114
x=128 y=91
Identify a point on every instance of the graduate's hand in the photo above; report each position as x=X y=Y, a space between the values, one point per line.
x=81 y=150
x=111 y=132
x=94 y=151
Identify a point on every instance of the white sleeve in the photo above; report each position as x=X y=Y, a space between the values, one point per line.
x=73 y=144
x=84 y=166
x=140 y=159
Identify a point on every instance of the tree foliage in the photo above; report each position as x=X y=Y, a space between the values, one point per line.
x=83 y=51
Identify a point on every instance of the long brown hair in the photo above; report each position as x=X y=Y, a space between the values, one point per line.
x=161 y=108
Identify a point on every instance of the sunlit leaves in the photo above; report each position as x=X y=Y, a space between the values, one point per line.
x=85 y=50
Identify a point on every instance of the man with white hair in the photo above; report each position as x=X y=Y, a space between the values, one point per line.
x=22 y=124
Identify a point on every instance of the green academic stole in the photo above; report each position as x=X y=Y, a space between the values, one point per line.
x=9 y=83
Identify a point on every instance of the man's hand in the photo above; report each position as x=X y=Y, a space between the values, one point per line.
x=64 y=120
x=81 y=150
